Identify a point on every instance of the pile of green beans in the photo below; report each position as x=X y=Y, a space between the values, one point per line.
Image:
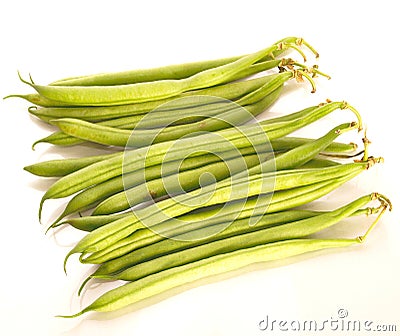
x=190 y=185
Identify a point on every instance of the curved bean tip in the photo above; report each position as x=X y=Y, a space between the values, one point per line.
x=66 y=260
x=35 y=143
x=84 y=284
x=23 y=80
x=31 y=79
x=385 y=201
x=295 y=47
x=52 y=226
x=71 y=316
x=32 y=109
x=299 y=74
x=41 y=208
x=371 y=227
x=315 y=71
x=300 y=41
x=345 y=105
x=12 y=96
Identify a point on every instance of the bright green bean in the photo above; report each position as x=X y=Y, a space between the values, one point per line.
x=177 y=276
x=214 y=194
x=186 y=181
x=158 y=116
x=90 y=223
x=197 y=234
x=230 y=91
x=39 y=100
x=278 y=201
x=118 y=137
x=168 y=254
x=95 y=194
x=291 y=159
x=239 y=137
x=175 y=71
x=63 y=167
x=149 y=91
x=110 y=264
x=150 y=286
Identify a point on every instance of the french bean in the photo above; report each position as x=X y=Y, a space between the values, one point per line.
x=218 y=194
x=106 y=135
x=157 y=283
x=150 y=286
x=230 y=91
x=149 y=91
x=176 y=71
x=217 y=142
x=62 y=167
x=92 y=196
x=253 y=206
x=168 y=254
x=291 y=159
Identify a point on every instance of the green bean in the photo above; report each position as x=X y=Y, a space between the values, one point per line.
x=63 y=167
x=39 y=100
x=207 y=234
x=291 y=159
x=186 y=181
x=240 y=223
x=176 y=71
x=230 y=91
x=149 y=91
x=95 y=194
x=159 y=118
x=319 y=163
x=253 y=69
x=158 y=283
x=168 y=254
x=333 y=148
x=90 y=223
x=239 y=137
x=214 y=194
x=233 y=115
x=102 y=133
x=117 y=137
x=253 y=206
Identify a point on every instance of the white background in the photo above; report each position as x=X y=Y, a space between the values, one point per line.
x=358 y=43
